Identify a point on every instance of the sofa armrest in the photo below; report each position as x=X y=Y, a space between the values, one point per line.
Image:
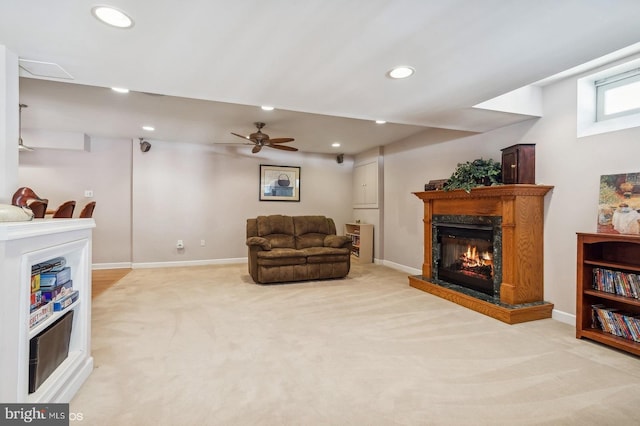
x=337 y=241
x=260 y=242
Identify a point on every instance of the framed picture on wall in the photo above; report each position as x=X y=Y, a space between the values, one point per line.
x=619 y=204
x=279 y=183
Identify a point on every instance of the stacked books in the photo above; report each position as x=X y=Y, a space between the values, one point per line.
x=40 y=313
x=612 y=321
x=51 y=289
x=616 y=282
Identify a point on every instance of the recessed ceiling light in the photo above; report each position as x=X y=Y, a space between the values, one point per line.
x=120 y=89
x=267 y=108
x=380 y=121
x=112 y=16
x=401 y=72
x=335 y=144
x=148 y=128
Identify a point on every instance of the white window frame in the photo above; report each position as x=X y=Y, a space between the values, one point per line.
x=613 y=82
x=587 y=123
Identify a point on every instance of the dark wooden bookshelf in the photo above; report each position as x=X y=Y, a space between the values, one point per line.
x=615 y=252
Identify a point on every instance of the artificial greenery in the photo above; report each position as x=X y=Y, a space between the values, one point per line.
x=474 y=173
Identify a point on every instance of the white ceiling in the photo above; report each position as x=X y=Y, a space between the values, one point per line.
x=321 y=63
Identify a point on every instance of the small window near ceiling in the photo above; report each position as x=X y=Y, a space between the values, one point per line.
x=618 y=95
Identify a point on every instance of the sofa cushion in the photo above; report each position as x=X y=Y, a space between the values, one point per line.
x=281 y=257
x=311 y=224
x=281 y=240
x=336 y=241
x=309 y=240
x=277 y=229
x=274 y=224
x=326 y=254
x=310 y=231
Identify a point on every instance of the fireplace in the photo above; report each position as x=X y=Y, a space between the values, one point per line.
x=483 y=249
x=466 y=252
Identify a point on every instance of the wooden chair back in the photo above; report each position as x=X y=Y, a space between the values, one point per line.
x=87 y=210
x=39 y=208
x=65 y=211
x=24 y=195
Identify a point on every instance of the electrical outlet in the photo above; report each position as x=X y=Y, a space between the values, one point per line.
x=202 y=243
x=180 y=244
x=88 y=193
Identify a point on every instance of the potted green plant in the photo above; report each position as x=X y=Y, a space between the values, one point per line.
x=474 y=173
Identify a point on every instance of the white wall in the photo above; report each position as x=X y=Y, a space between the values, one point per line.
x=61 y=175
x=573 y=166
x=372 y=215
x=193 y=192
x=8 y=123
x=411 y=163
x=148 y=201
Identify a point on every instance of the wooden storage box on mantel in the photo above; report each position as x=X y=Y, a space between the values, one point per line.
x=519 y=164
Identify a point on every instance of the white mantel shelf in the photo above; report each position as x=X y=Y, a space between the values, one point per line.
x=37 y=227
x=23 y=244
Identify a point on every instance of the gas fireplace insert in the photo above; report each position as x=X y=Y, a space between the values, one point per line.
x=467 y=253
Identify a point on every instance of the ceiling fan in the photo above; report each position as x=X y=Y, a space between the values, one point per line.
x=260 y=139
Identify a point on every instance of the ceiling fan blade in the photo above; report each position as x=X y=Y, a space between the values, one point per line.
x=281 y=140
x=262 y=139
x=240 y=136
x=283 y=147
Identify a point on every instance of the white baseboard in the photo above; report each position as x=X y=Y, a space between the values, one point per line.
x=143 y=265
x=118 y=265
x=403 y=268
x=563 y=317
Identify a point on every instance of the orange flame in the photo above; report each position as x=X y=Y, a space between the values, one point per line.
x=472 y=258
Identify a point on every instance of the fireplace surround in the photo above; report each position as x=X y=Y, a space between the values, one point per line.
x=513 y=214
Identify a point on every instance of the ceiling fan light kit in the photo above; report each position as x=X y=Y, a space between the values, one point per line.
x=261 y=140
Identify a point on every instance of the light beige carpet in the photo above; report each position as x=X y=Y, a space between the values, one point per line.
x=207 y=346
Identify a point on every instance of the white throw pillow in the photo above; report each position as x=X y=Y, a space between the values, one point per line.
x=9 y=213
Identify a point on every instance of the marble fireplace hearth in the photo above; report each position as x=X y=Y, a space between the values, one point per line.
x=517 y=213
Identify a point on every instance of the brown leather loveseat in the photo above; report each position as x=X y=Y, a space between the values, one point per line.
x=296 y=248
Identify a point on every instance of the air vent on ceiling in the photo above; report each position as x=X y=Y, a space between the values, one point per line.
x=44 y=69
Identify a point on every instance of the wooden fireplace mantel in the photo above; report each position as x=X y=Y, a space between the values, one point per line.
x=522 y=210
